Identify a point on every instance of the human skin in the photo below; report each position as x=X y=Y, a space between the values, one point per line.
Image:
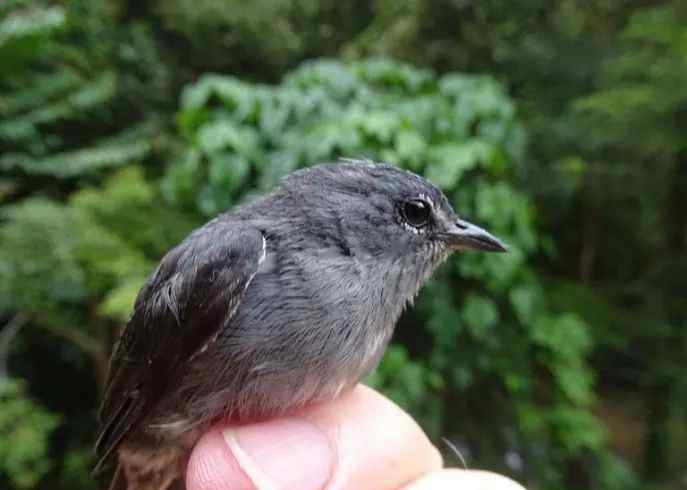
x=361 y=441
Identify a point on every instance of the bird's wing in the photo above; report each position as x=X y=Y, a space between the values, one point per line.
x=194 y=292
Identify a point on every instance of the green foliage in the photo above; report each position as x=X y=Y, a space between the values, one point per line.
x=93 y=247
x=54 y=256
x=325 y=109
x=23 y=33
x=55 y=113
x=575 y=155
x=269 y=36
x=24 y=431
x=96 y=250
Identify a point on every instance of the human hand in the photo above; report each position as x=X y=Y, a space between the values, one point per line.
x=361 y=441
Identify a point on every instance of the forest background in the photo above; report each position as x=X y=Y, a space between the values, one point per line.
x=561 y=126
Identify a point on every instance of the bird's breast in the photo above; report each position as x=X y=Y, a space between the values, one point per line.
x=316 y=322
x=304 y=331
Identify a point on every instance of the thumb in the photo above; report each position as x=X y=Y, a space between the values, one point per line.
x=360 y=441
x=291 y=451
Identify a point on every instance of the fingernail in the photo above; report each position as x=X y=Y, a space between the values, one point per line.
x=287 y=454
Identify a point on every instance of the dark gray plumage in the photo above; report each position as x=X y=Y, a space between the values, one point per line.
x=286 y=300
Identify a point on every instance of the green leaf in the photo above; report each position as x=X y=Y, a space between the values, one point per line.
x=410 y=148
x=112 y=152
x=23 y=34
x=577 y=429
x=576 y=382
x=567 y=336
x=25 y=428
x=224 y=135
x=448 y=162
x=480 y=314
x=119 y=302
x=527 y=301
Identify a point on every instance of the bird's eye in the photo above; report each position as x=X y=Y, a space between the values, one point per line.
x=416 y=213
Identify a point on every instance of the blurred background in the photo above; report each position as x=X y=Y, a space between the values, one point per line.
x=561 y=126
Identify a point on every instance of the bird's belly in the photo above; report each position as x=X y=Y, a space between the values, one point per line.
x=282 y=350
x=306 y=352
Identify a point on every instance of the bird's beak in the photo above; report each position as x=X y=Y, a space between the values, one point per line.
x=462 y=235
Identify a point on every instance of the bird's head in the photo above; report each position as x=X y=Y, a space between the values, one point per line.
x=381 y=211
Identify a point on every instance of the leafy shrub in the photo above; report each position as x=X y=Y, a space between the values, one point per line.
x=24 y=430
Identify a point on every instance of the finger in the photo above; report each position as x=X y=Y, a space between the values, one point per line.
x=361 y=441
x=468 y=479
x=289 y=453
x=378 y=445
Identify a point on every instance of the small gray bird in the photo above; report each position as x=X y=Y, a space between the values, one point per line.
x=284 y=301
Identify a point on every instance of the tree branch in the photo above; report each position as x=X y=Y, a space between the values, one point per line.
x=7 y=335
x=82 y=341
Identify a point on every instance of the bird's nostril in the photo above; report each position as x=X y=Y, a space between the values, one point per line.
x=461 y=224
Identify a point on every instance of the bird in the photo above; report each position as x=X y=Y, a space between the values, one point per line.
x=286 y=300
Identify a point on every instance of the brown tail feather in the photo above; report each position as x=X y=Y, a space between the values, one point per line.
x=150 y=467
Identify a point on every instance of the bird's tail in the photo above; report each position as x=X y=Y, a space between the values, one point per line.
x=160 y=467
